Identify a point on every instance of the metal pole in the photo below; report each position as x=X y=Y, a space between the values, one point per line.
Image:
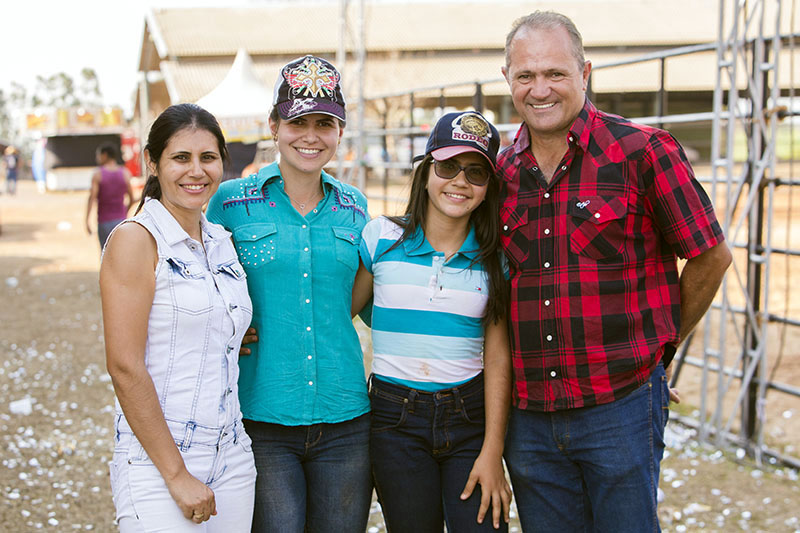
x=360 y=169
x=144 y=118
x=661 y=102
x=341 y=60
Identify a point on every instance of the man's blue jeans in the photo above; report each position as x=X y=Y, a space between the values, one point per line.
x=311 y=478
x=590 y=469
x=422 y=447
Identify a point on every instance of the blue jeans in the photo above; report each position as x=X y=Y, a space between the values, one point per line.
x=422 y=447
x=590 y=469
x=104 y=229
x=311 y=478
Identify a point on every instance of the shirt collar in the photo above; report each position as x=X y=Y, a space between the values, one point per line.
x=272 y=172
x=417 y=244
x=580 y=130
x=173 y=232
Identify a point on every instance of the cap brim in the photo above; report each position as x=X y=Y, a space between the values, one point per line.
x=289 y=110
x=440 y=154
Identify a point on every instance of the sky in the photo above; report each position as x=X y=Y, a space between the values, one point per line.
x=44 y=37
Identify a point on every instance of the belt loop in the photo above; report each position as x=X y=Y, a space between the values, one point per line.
x=187 y=436
x=412 y=397
x=459 y=401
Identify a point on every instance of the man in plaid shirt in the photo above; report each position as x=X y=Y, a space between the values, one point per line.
x=596 y=210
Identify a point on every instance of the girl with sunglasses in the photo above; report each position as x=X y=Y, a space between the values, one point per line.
x=440 y=384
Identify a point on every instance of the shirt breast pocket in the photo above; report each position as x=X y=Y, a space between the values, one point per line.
x=256 y=244
x=346 y=241
x=597 y=225
x=515 y=234
x=188 y=286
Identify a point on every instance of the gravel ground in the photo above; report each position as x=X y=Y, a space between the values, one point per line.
x=56 y=400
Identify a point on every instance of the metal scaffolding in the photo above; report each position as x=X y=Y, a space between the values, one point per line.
x=746 y=100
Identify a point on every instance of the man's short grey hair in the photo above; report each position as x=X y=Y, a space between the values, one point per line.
x=548 y=20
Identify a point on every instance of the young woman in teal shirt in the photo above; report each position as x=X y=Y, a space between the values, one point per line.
x=302 y=389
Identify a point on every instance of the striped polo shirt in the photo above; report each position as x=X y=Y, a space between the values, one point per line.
x=426 y=319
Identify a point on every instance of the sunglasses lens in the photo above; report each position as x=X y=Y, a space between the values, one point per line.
x=477 y=175
x=446 y=169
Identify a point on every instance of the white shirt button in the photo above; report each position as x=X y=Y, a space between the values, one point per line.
x=597 y=215
x=305 y=249
x=547 y=231
x=547 y=264
x=547 y=195
x=305 y=275
x=570 y=138
x=254 y=237
x=308 y=328
x=304 y=226
x=553 y=373
x=547 y=302
x=309 y=357
x=549 y=337
x=564 y=167
x=535 y=168
x=505 y=228
x=308 y=301
x=310 y=382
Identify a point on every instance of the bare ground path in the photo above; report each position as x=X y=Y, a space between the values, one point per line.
x=56 y=400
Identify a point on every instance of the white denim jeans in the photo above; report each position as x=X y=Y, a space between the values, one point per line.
x=223 y=460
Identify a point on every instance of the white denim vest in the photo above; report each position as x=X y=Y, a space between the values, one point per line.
x=200 y=312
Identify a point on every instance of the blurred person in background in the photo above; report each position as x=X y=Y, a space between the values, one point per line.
x=11 y=159
x=175 y=308
x=303 y=389
x=111 y=191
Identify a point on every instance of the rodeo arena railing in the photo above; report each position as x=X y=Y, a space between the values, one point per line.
x=745 y=342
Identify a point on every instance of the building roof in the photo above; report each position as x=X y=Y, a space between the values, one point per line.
x=422 y=44
x=400 y=26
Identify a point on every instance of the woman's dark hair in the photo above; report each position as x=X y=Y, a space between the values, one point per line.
x=486 y=221
x=174 y=119
x=110 y=150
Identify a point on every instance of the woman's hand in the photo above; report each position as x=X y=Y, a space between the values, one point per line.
x=194 y=498
x=495 y=491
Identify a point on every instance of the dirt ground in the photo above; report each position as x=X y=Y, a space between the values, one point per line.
x=56 y=399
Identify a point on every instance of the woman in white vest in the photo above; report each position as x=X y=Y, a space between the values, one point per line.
x=175 y=308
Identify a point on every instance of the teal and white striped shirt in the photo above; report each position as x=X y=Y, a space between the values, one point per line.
x=426 y=319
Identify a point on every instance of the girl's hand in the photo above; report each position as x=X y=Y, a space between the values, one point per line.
x=194 y=498
x=495 y=491
x=250 y=336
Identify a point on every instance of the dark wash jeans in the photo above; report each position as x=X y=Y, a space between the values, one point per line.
x=311 y=478
x=422 y=448
x=593 y=468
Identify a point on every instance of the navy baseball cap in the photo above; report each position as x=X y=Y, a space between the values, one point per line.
x=464 y=131
x=309 y=85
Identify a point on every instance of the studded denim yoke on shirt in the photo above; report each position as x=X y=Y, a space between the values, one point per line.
x=200 y=312
x=307 y=366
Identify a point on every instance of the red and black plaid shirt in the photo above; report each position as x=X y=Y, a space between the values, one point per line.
x=594 y=281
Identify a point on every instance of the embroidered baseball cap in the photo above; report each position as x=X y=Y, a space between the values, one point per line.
x=309 y=85
x=464 y=131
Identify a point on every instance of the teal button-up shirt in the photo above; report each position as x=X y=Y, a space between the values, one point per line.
x=307 y=366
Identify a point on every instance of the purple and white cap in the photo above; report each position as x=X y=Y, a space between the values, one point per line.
x=309 y=85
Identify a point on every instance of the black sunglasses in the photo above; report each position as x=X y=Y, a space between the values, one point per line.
x=448 y=169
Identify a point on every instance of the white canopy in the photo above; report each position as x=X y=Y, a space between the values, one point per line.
x=240 y=102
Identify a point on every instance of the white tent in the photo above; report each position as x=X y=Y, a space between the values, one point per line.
x=240 y=102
